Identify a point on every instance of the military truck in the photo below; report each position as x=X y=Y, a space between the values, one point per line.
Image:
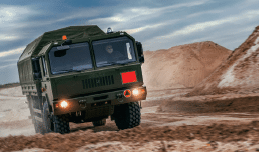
x=82 y=74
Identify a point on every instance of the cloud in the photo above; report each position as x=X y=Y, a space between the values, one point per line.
x=12 y=52
x=205 y=13
x=82 y=13
x=4 y=66
x=10 y=60
x=196 y=27
x=204 y=25
x=189 y=4
x=135 y=30
x=13 y=20
x=139 y=29
x=250 y=14
x=4 y=37
x=137 y=14
x=125 y=16
x=13 y=13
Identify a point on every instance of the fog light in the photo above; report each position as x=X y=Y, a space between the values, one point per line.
x=127 y=93
x=135 y=92
x=64 y=104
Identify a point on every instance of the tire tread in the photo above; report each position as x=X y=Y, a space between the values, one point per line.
x=131 y=113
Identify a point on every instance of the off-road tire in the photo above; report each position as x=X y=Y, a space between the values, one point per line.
x=38 y=126
x=54 y=123
x=99 y=122
x=127 y=115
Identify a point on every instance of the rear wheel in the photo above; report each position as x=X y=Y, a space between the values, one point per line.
x=99 y=122
x=127 y=115
x=54 y=123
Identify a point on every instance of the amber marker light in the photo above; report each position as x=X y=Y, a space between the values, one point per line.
x=64 y=37
x=63 y=104
x=143 y=91
x=127 y=93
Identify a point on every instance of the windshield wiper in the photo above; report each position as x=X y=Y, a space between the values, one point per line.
x=123 y=62
x=107 y=63
x=112 y=63
x=65 y=71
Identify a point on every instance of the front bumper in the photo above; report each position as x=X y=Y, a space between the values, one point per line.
x=103 y=100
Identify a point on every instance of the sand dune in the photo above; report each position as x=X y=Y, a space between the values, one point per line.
x=182 y=66
x=238 y=74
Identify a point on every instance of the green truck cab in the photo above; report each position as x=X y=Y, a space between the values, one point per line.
x=82 y=74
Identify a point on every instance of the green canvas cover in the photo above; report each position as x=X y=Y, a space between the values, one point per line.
x=72 y=32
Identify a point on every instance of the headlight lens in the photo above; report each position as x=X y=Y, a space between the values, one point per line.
x=135 y=92
x=63 y=104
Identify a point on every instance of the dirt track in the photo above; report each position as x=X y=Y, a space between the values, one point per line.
x=169 y=122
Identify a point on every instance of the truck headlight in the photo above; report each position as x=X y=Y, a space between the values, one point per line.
x=138 y=92
x=64 y=104
x=135 y=92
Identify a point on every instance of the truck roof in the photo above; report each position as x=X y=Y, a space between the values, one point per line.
x=72 y=32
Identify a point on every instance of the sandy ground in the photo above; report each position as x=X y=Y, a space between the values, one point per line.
x=14 y=113
x=169 y=123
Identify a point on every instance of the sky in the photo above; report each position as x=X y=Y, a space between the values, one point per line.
x=158 y=24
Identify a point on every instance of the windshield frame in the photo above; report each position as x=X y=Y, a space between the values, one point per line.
x=89 y=40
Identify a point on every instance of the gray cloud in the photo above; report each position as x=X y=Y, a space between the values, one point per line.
x=5 y=66
x=12 y=52
x=123 y=20
x=201 y=26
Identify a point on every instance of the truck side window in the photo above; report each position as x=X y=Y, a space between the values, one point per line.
x=44 y=66
x=36 y=68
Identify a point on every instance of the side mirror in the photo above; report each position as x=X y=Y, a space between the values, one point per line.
x=141 y=59
x=140 y=52
x=139 y=48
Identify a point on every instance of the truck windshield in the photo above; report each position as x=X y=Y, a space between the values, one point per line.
x=113 y=51
x=76 y=57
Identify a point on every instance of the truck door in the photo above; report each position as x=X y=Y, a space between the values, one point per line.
x=45 y=76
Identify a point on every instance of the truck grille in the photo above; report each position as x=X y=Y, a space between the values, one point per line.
x=98 y=82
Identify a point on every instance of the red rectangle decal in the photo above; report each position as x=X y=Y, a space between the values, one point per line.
x=128 y=77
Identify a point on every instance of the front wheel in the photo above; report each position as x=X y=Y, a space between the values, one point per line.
x=127 y=115
x=54 y=123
